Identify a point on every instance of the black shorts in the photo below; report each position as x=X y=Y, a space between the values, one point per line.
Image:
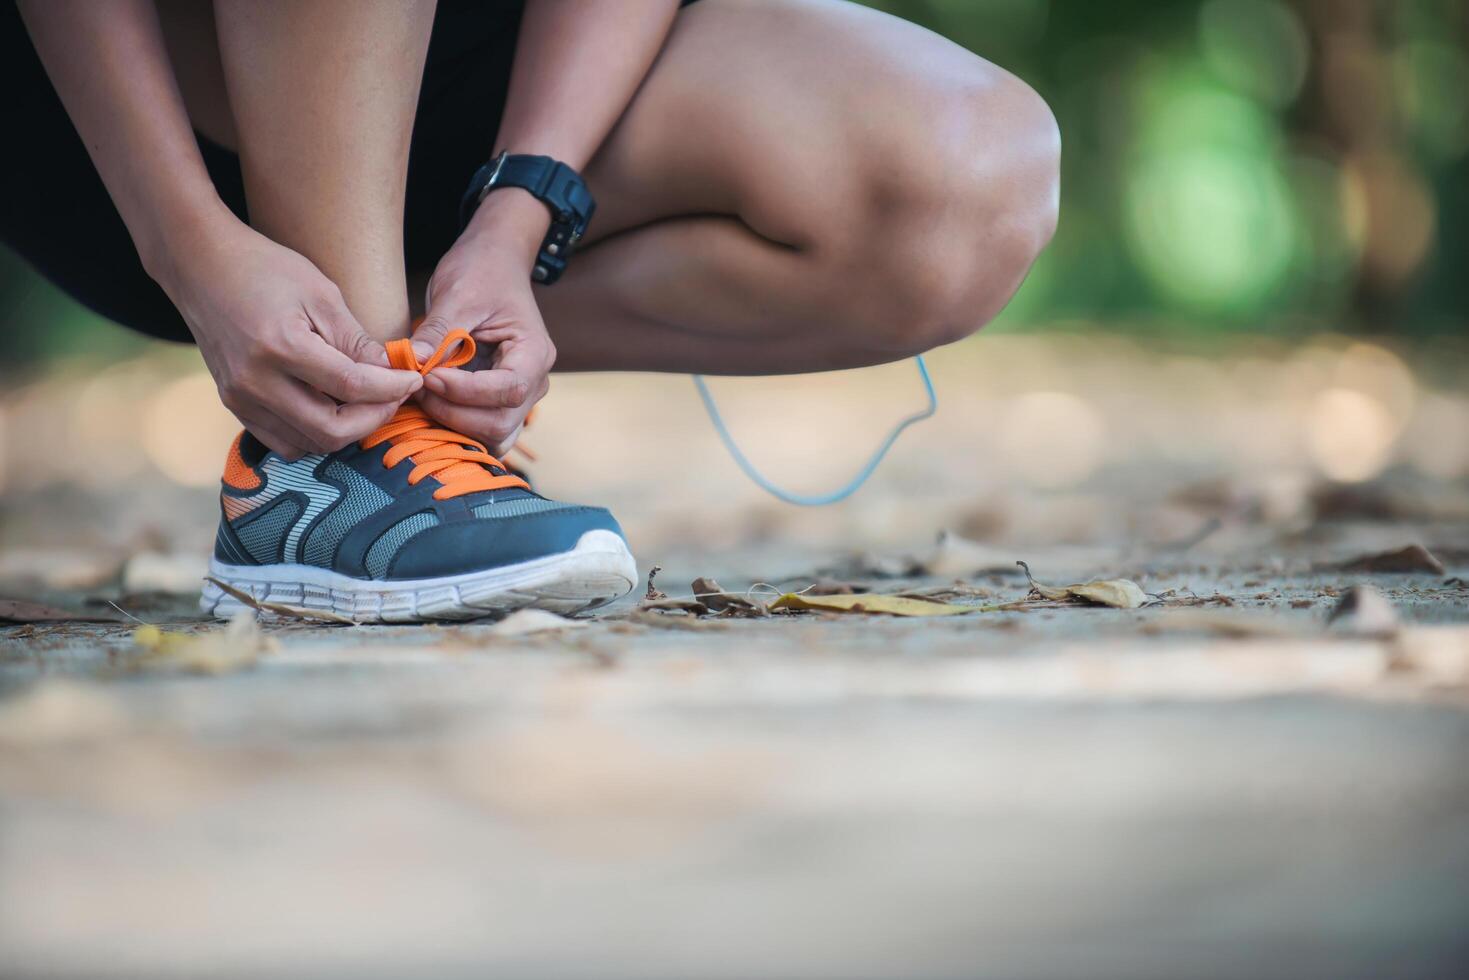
x=58 y=217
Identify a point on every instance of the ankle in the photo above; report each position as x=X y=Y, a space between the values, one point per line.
x=383 y=318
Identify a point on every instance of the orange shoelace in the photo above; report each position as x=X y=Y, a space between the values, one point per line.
x=458 y=462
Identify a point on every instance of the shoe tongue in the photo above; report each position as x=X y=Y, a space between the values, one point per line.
x=402 y=356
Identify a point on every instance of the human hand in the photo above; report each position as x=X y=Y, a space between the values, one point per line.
x=482 y=285
x=290 y=360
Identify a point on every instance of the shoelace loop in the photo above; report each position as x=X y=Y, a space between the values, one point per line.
x=461 y=464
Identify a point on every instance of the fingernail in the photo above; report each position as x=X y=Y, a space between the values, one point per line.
x=434 y=384
x=423 y=350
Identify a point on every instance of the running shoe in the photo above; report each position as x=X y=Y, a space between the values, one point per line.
x=415 y=522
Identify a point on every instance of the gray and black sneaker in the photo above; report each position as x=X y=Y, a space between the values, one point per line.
x=415 y=522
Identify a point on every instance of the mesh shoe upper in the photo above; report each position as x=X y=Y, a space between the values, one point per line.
x=411 y=501
x=349 y=512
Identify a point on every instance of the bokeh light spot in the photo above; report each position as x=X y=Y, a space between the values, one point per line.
x=1212 y=229
x=1438 y=439
x=1051 y=438
x=1349 y=434
x=1256 y=46
x=1379 y=373
x=1431 y=79
x=186 y=431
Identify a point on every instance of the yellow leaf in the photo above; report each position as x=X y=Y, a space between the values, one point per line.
x=891 y=605
x=220 y=651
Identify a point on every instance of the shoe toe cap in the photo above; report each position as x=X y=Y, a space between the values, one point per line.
x=461 y=547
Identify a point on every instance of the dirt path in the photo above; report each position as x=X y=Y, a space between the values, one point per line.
x=1217 y=784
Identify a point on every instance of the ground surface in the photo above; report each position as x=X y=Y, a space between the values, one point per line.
x=1216 y=785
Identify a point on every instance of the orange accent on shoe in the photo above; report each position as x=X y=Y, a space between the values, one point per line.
x=236 y=473
x=458 y=462
x=237 y=507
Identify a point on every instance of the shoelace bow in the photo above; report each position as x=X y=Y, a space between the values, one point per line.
x=460 y=463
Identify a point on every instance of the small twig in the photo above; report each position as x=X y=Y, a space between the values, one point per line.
x=1030 y=580
x=129 y=615
x=776 y=590
x=653 y=593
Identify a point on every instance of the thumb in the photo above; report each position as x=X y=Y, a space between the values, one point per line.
x=449 y=305
x=430 y=334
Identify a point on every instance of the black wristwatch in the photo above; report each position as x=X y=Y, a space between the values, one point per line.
x=557 y=186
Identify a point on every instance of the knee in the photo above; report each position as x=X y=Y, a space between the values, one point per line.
x=948 y=236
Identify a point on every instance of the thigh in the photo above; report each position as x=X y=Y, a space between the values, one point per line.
x=780 y=112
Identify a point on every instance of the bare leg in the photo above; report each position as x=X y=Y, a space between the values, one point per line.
x=802 y=185
x=323 y=95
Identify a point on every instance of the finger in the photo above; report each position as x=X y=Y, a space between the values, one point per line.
x=275 y=440
x=340 y=329
x=432 y=331
x=508 y=443
x=325 y=425
x=275 y=433
x=489 y=425
x=334 y=373
x=530 y=360
x=495 y=388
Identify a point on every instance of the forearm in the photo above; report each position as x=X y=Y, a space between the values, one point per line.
x=577 y=65
x=108 y=64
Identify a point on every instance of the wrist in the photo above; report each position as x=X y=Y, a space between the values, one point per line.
x=512 y=222
x=171 y=246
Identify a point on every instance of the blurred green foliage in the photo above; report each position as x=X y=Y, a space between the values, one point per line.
x=1235 y=163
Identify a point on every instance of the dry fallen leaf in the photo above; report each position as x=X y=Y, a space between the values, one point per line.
x=956 y=556
x=281 y=608
x=712 y=594
x=890 y=605
x=1363 y=611
x=235 y=647
x=1412 y=558
x=665 y=603
x=524 y=621
x=1118 y=593
x=22 y=611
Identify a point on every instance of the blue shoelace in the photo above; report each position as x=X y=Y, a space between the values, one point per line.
x=820 y=499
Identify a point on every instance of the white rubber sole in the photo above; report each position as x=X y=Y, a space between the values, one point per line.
x=598 y=570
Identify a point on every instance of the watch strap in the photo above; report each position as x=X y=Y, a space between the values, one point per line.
x=553 y=183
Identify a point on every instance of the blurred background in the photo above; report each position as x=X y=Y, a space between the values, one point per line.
x=1256 y=279
x=1242 y=362
x=1245 y=164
